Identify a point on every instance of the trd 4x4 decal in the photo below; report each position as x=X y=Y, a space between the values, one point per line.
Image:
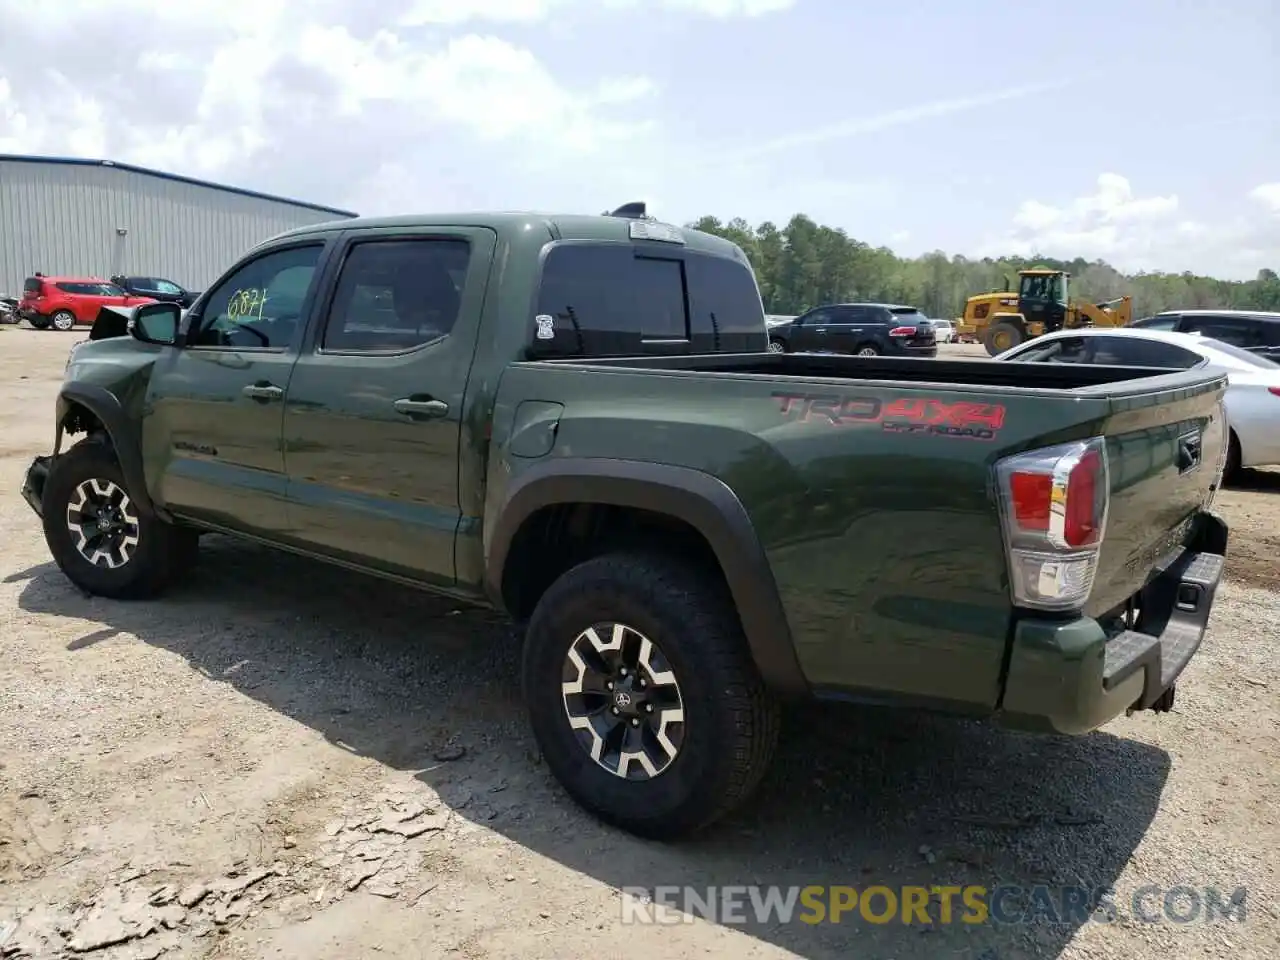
x=962 y=418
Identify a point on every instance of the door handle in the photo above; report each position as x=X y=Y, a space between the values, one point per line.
x=421 y=408
x=820 y=330
x=263 y=391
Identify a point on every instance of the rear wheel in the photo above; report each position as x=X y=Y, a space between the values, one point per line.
x=99 y=537
x=1001 y=337
x=643 y=696
x=39 y=322
x=63 y=320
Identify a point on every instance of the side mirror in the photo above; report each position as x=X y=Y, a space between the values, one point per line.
x=156 y=323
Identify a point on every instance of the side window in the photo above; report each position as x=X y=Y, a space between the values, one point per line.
x=725 y=311
x=1233 y=330
x=163 y=286
x=1062 y=350
x=260 y=304
x=1133 y=352
x=1158 y=323
x=817 y=318
x=603 y=299
x=70 y=287
x=396 y=295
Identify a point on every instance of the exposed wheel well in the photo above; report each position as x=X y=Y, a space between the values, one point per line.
x=80 y=419
x=557 y=537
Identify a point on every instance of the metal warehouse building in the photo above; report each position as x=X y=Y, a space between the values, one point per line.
x=63 y=216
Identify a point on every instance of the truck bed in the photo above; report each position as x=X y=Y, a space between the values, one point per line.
x=904 y=370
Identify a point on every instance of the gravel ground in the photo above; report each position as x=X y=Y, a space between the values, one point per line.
x=283 y=760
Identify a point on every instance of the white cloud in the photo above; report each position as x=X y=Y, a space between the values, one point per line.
x=1148 y=233
x=246 y=88
x=1267 y=194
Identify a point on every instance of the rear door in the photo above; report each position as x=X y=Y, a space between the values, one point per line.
x=811 y=330
x=373 y=414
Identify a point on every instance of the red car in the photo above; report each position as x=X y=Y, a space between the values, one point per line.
x=63 y=302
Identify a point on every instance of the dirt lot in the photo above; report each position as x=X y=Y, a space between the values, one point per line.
x=282 y=760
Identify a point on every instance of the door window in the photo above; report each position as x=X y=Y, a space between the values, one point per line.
x=396 y=295
x=260 y=304
x=1062 y=350
x=1233 y=330
x=164 y=286
x=1134 y=352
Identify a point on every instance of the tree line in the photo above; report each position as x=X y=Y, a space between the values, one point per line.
x=806 y=264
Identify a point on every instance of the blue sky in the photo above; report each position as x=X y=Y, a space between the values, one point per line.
x=1143 y=132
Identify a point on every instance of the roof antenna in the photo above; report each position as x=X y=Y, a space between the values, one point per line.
x=633 y=211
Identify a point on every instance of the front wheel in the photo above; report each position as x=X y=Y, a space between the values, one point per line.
x=777 y=346
x=1001 y=337
x=868 y=351
x=643 y=696
x=97 y=534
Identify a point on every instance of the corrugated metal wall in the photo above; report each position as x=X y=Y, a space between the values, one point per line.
x=65 y=218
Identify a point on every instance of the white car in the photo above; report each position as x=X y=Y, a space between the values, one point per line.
x=944 y=330
x=1253 y=381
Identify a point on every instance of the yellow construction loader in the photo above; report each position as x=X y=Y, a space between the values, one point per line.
x=1004 y=319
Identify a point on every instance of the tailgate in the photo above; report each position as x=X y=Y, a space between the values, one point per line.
x=1165 y=453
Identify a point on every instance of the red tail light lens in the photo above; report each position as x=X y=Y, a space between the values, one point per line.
x=1032 y=494
x=1083 y=514
x=1054 y=508
x=1274 y=391
x=902 y=332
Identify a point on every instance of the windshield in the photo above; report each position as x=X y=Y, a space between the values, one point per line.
x=1044 y=287
x=1243 y=355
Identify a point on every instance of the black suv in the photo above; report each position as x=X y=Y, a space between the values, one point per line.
x=157 y=288
x=864 y=329
x=1255 y=330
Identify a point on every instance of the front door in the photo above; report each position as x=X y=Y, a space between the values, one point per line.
x=374 y=413
x=812 y=331
x=212 y=436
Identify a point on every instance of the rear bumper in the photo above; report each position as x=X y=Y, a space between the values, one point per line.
x=1074 y=676
x=911 y=350
x=33 y=484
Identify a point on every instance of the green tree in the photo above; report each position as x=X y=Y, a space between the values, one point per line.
x=805 y=264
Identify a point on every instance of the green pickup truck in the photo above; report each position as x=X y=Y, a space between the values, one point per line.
x=577 y=420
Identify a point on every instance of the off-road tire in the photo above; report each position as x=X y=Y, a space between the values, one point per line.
x=163 y=550
x=63 y=321
x=731 y=720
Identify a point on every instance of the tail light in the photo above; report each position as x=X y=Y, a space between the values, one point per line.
x=1053 y=507
x=1274 y=391
x=902 y=332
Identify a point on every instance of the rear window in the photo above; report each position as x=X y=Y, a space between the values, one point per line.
x=32 y=285
x=907 y=315
x=611 y=299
